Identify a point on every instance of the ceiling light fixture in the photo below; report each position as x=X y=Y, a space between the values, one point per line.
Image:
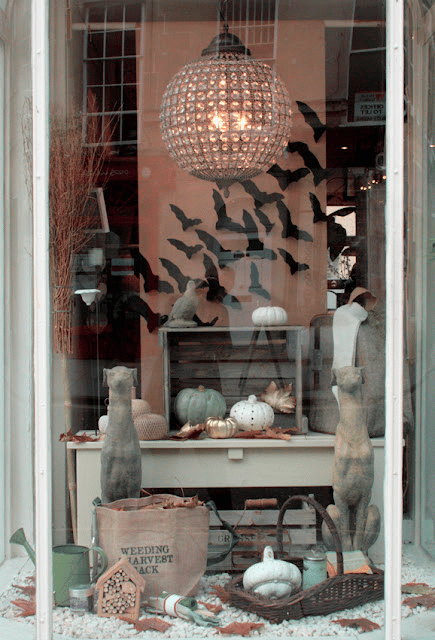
x=225 y=116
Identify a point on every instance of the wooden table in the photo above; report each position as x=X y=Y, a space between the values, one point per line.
x=305 y=460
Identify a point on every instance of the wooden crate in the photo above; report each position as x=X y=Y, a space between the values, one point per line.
x=258 y=529
x=237 y=362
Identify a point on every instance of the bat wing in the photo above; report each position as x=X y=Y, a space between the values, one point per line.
x=310 y=160
x=260 y=197
x=224 y=221
x=290 y=230
x=319 y=215
x=265 y=221
x=344 y=211
x=232 y=301
x=175 y=273
x=255 y=286
x=189 y=251
x=185 y=221
x=286 y=176
x=291 y=262
x=312 y=119
x=151 y=281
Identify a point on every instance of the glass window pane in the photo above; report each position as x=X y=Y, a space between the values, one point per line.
x=225 y=314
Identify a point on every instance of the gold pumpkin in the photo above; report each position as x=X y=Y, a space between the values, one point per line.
x=221 y=427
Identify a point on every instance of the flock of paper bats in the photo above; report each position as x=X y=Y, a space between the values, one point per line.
x=255 y=247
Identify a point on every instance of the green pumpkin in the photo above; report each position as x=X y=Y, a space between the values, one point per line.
x=196 y=405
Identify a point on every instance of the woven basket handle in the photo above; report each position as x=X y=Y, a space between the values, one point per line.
x=325 y=516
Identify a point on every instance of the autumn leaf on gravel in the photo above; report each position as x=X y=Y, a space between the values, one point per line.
x=214 y=608
x=73 y=437
x=355 y=623
x=221 y=593
x=28 y=607
x=240 y=628
x=156 y=624
x=29 y=590
x=418 y=588
x=427 y=601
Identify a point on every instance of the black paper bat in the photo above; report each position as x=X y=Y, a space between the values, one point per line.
x=344 y=211
x=255 y=245
x=224 y=221
x=185 y=221
x=216 y=292
x=337 y=238
x=215 y=247
x=309 y=159
x=286 y=176
x=189 y=251
x=262 y=217
x=260 y=197
x=294 y=266
x=290 y=230
x=133 y=302
x=176 y=273
x=225 y=184
x=255 y=286
x=319 y=215
x=312 y=120
x=151 y=281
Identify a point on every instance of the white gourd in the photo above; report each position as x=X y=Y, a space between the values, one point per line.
x=269 y=316
x=252 y=414
x=272 y=578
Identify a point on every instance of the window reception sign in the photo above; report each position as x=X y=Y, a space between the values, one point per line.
x=369 y=107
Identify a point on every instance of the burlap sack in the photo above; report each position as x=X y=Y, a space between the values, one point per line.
x=168 y=547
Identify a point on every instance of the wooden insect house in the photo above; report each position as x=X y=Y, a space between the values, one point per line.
x=119 y=591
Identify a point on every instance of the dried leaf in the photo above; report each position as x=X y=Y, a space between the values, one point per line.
x=29 y=590
x=427 y=601
x=188 y=432
x=276 y=433
x=156 y=624
x=219 y=591
x=214 y=608
x=418 y=589
x=240 y=628
x=74 y=437
x=355 y=623
x=280 y=399
x=28 y=607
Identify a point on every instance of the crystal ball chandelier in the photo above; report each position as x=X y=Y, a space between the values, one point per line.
x=225 y=116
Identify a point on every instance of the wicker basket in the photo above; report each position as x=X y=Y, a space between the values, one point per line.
x=151 y=426
x=343 y=591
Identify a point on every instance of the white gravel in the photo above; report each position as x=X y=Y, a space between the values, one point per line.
x=416 y=566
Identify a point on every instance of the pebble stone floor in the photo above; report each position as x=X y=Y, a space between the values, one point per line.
x=417 y=623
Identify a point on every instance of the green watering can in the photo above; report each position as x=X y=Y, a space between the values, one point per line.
x=70 y=566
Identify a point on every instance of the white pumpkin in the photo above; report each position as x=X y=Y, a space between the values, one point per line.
x=272 y=578
x=103 y=423
x=252 y=414
x=269 y=316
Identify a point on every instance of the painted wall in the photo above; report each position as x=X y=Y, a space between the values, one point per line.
x=300 y=62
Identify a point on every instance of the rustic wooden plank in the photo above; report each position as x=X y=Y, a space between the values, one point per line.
x=231 y=370
x=224 y=352
x=240 y=518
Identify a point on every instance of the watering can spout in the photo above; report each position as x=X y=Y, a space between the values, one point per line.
x=19 y=537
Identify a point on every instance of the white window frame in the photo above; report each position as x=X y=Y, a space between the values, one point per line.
x=394 y=287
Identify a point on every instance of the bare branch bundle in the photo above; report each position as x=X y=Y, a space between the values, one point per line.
x=74 y=172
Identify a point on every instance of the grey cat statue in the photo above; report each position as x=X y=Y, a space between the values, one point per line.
x=121 y=462
x=357 y=522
